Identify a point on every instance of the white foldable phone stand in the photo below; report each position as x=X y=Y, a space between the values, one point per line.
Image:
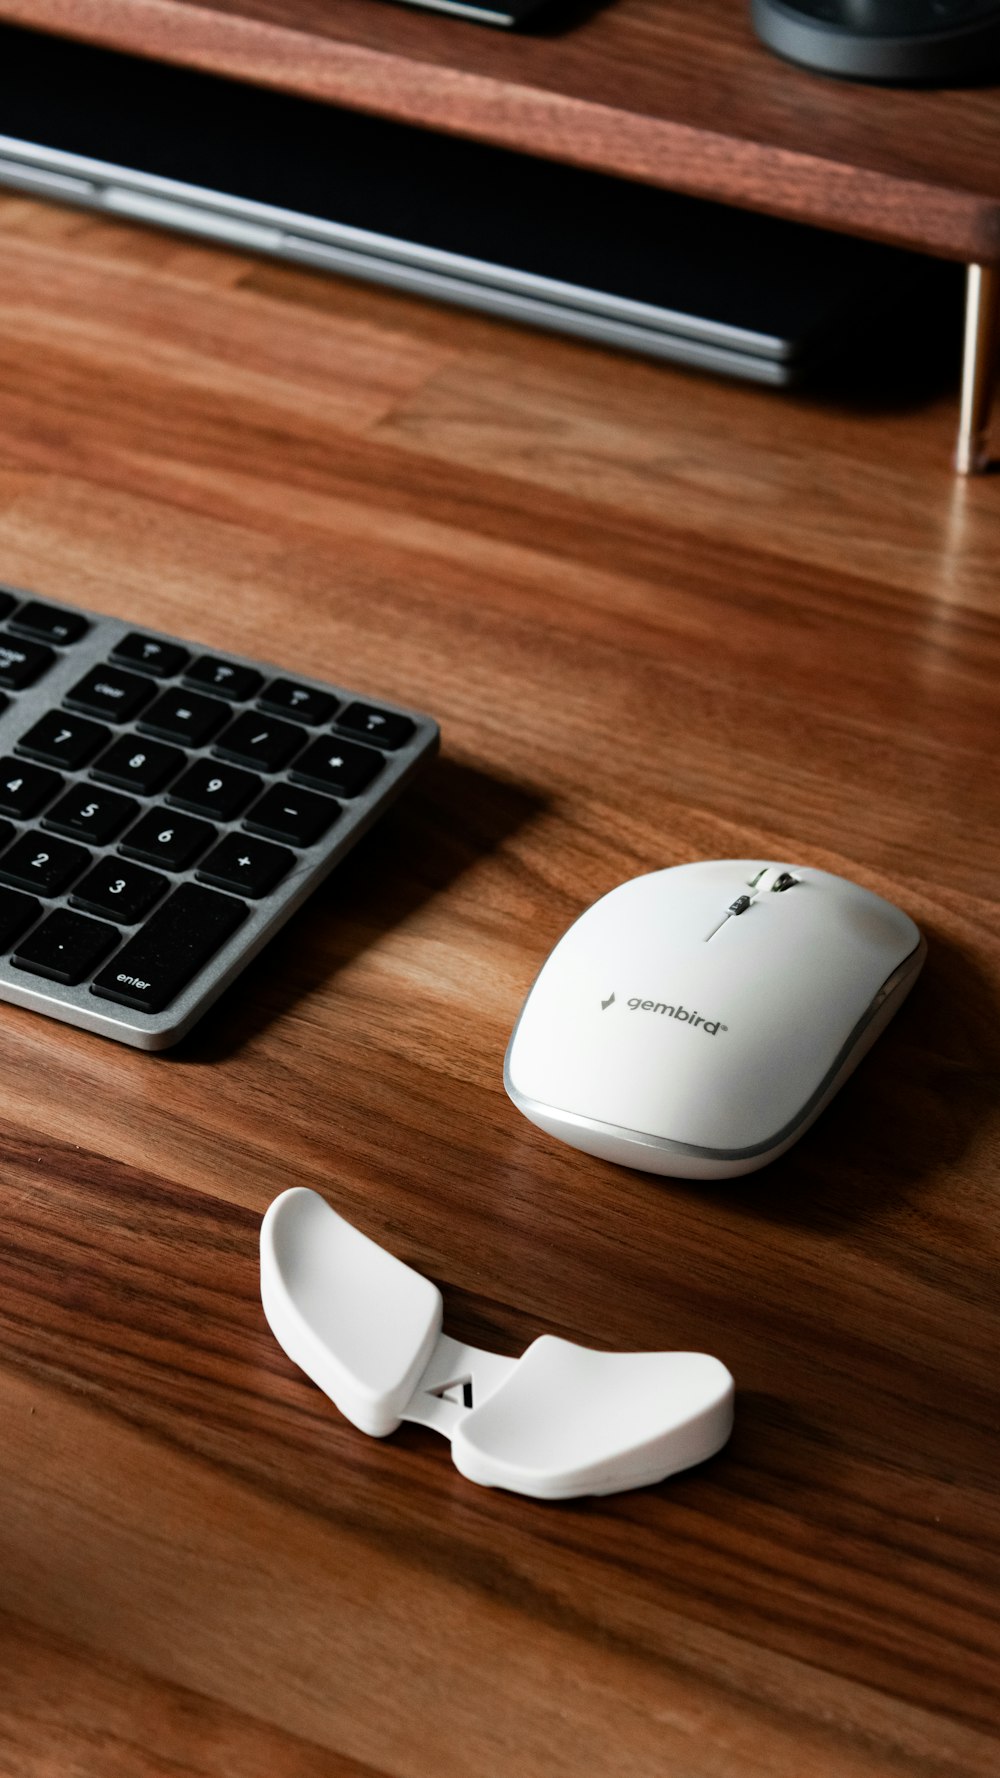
x=559 y=1421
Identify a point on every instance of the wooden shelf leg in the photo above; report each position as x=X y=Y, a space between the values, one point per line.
x=979 y=367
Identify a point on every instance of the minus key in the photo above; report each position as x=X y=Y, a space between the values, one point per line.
x=176 y=941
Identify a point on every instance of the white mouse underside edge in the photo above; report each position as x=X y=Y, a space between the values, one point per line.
x=680 y=1160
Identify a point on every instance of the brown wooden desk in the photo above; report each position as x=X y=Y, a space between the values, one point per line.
x=678 y=93
x=659 y=617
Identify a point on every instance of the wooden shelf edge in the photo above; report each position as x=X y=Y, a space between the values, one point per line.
x=932 y=218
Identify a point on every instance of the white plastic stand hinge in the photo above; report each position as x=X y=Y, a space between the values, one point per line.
x=559 y=1421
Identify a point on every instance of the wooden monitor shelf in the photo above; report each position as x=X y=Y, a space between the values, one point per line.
x=677 y=93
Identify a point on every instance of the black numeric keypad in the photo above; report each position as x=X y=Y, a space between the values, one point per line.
x=163 y=809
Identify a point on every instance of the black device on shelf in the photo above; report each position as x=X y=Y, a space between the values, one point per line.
x=579 y=252
x=505 y=13
x=909 y=42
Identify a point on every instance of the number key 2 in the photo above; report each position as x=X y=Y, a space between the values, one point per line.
x=39 y=862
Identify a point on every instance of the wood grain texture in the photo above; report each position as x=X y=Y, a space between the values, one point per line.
x=659 y=617
x=676 y=93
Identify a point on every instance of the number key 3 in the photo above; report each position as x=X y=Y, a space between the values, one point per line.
x=124 y=892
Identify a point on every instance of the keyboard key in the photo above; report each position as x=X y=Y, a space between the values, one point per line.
x=21 y=663
x=140 y=765
x=287 y=813
x=39 y=862
x=89 y=814
x=63 y=740
x=304 y=702
x=24 y=789
x=227 y=678
x=176 y=941
x=209 y=788
x=151 y=654
x=50 y=623
x=383 y=726
x=7 y=602
x=184 y=716
x=107 y=691
x=341 y=766
x=261 y=741
x=250 y=867
x=165 y=838
x=17 y=912
x=124 y=891
x=6 y=833
x=65 y=947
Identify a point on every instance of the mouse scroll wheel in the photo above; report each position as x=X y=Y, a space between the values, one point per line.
x=775 y=881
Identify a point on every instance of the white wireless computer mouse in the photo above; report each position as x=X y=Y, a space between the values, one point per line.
x=695 y=1021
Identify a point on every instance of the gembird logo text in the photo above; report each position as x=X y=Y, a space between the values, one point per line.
x=712 y=1026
